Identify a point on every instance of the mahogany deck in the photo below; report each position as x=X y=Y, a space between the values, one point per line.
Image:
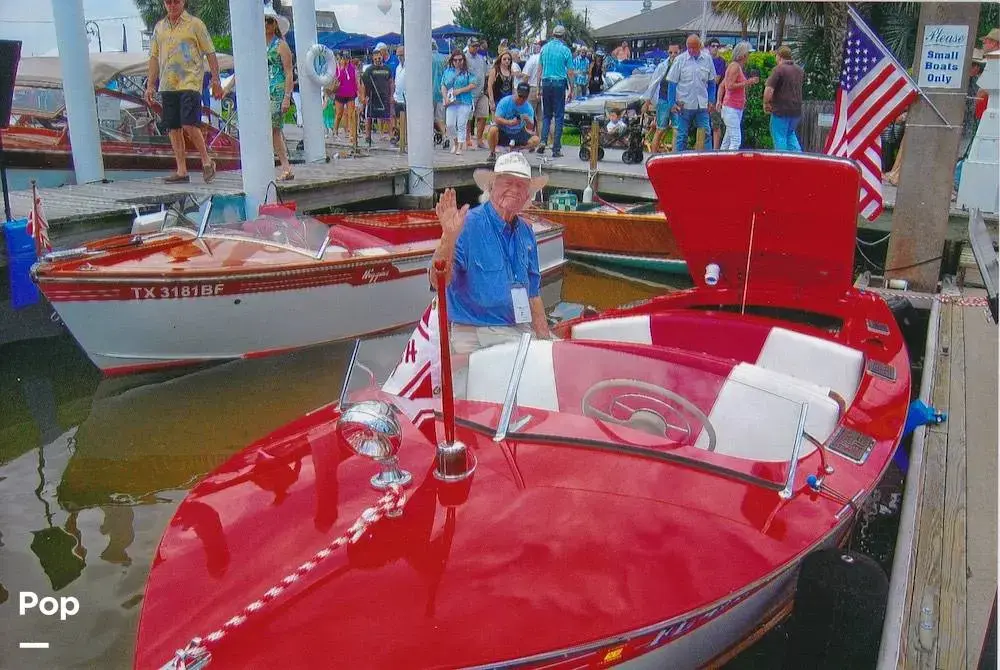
x=954 y=575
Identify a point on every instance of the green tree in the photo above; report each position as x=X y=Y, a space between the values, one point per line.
x=757 y=13
x=495 y=19
x=215 y=13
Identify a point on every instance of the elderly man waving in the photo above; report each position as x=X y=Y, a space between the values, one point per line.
x=691 y=92
x=492 y=260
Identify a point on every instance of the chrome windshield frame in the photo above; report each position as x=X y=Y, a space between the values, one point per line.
x=793 y=463
x=512 y=385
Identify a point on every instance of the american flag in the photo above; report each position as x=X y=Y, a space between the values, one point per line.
x=38 y=226
x=873 y=91
x=416 y=380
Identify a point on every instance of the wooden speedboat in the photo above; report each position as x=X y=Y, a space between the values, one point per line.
x=132 y=137
x=638 y=494
x=630 y=236
x=216 y=287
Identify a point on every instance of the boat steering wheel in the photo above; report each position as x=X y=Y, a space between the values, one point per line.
x=653 y=416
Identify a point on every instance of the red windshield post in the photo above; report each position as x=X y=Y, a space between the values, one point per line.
x=447 y=388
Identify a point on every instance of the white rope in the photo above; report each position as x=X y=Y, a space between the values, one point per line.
x=197 y=652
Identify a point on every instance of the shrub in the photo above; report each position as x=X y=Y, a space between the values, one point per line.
x=757 y=124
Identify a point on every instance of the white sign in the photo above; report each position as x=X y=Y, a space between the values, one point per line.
x=942 y=56
x=109 y=108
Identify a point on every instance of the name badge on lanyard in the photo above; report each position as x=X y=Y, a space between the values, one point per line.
x=519 y=298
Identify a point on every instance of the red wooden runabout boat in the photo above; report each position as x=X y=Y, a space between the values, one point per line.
x=637 y=494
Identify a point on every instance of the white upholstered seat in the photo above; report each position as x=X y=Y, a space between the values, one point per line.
x=812 y=359
x=489 y=375
x=755 y=415
x=622 y=329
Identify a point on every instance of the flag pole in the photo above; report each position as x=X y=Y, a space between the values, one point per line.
x=454 y=462
x=872 y=36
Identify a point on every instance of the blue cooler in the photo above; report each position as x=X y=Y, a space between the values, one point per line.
x=20 y=257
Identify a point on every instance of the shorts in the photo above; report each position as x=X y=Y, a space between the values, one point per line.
x=662 y=115
x=481 y=107
x=715 y=118
x=520 y=137
x=375 y=111
x=181 y=108
x=439 y=111
x=344 y=99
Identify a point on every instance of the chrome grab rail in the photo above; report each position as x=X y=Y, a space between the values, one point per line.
x=512 y=386
x=786 y=492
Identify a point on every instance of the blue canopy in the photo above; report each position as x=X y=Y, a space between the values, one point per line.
x=451 y=30
x=327 y=38
x=390 y=39
x=357 y=42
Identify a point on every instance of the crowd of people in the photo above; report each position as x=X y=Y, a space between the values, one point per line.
x=515 y=100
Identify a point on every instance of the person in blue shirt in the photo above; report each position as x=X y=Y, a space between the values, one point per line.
x=439 y=62
x=513 y=119
x=556 y=61
x=457 y=85
x=491 y=259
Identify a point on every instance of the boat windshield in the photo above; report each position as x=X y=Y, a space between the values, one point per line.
x=46 y=102
x=224 y=217
x=655 y=402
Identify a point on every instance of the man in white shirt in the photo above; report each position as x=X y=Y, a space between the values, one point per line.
x=691 y=93
x=532 y=73
x=399 y=93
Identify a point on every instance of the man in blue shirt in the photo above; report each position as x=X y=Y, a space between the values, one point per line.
x=491 y=259
x=513 y=119
x=556 y=61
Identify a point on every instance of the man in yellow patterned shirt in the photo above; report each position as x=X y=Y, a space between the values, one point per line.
x=179 y=45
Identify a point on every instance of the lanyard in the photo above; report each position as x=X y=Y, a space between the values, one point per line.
x=505 y=251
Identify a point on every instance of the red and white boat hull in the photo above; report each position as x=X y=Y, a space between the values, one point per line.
x=131 y=325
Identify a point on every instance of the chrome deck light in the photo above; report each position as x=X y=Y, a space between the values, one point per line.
x=371 y=429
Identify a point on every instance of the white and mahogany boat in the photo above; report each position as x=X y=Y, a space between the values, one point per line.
x=637 y=494
x=209 y=286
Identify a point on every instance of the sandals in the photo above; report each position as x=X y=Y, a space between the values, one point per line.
x=176 y=179
x=208 y=172
x=287 y=175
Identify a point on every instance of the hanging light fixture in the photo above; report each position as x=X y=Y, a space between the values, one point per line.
x=384 y=6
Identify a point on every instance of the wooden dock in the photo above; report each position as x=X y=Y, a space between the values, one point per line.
x=81 y=212
x=952 y=576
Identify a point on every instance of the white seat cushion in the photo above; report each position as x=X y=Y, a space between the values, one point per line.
x=756 y=417
x=624 y=329
x=489 y=375
x=812 y=359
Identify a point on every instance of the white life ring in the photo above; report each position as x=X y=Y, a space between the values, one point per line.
x=320 y=58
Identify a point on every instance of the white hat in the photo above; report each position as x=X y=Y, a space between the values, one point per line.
x=514 y=164
x=381 y=46
x=269 y=13
x=559 y=30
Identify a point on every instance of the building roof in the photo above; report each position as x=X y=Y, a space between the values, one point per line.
x=681 y=16
x=665 y=19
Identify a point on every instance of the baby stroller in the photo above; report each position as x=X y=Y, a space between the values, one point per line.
x=629 y=137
